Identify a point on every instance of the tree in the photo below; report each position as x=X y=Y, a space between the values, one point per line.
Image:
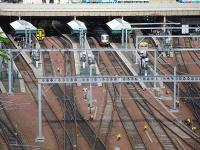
x=2 y=52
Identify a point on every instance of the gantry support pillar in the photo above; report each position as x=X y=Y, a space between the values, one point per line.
x=10 y=74
x=40 y=137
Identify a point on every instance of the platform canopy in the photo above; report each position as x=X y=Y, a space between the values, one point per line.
x=22 y=26
x=76 y=26
x=116 y=26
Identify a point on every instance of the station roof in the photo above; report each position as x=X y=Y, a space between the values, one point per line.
x=116 y=25
x=76 y=25
x=21 y=25
x=2 y=34
x=190 y=21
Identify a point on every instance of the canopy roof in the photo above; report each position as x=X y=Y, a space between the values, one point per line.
x=76 y=25
x=116 y=25
x=21 y=25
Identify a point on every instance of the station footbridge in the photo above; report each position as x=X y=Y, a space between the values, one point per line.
x=117 y=9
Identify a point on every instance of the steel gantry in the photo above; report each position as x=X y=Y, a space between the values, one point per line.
x=97 y=79
x=107 y=79
x=10 y=51
x=100 y=49
x=160 y=49
x=118 y=79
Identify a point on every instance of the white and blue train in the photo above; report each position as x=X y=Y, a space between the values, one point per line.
x=115 y=1
x=189 y=1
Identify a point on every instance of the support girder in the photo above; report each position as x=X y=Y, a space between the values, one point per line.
x=101 y=49
x=119 y=79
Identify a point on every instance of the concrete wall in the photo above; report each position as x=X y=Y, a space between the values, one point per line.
x=163 y=1
x=32 y=1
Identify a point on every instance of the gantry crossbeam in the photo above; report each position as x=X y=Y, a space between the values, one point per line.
x=119 y=79
x=101 y=49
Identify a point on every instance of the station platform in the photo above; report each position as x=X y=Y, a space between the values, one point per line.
x=76 y=54
x=21 y=80
x=95 y=64
x=78 y=63
x=132 y=67
x=90 y=52
x=37 y=71
x=133 y=64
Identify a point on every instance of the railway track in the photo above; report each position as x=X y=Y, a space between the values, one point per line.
x=9 y=134
x=156 y=117
x=162 y=136
x=181 y=65
x=107 y=117
x=68 y=125
x=125 y=118
x=49 y=114
x=84 y=127
x=182 y=93
x=164 y=141
x=190 y=88
x=31 y=82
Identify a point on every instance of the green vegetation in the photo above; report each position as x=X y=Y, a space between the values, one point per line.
x=2 y=52
x=1 y=147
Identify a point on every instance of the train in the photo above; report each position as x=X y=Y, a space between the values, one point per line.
x=115 y=1
x=101 y=36
x=40 y=34
x=189 y=1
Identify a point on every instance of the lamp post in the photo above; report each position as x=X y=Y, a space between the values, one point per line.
x=40 y=137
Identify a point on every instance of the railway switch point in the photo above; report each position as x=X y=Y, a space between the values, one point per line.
x=119 y=136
